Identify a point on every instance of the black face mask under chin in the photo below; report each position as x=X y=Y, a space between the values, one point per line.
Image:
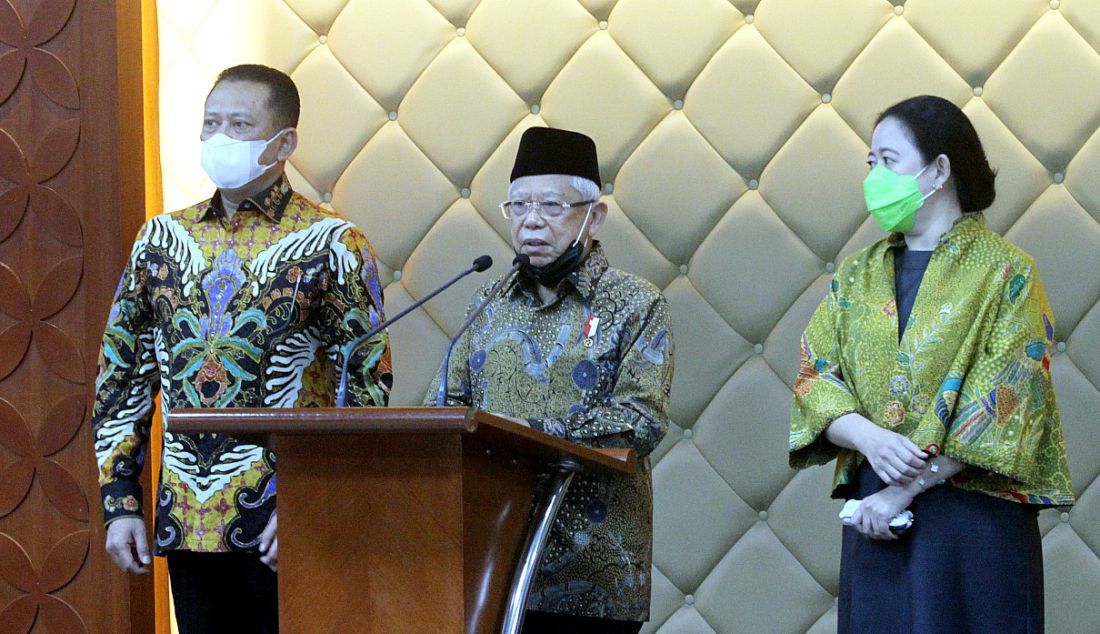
x=553 y=273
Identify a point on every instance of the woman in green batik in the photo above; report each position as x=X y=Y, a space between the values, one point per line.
x=926 y=373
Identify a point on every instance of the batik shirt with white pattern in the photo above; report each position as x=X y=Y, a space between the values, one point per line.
x=254 y=310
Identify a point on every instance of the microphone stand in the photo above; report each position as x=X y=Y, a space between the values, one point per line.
x=480 y=264
x=441 y=394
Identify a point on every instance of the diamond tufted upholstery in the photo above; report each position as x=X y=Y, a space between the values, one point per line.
x=732 y=136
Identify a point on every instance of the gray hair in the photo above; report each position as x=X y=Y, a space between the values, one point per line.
x=585 y=188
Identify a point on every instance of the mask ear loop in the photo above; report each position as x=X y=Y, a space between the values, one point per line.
x=587 y=215
x=267 y=144
x=929 y=194
x=935 y=188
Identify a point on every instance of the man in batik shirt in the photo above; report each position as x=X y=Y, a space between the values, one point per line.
x=249 y=299
x=583 y=351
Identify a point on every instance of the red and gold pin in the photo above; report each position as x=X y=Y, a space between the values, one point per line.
x=590 y=327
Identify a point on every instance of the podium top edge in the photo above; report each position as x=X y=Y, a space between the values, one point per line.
x=259 y=424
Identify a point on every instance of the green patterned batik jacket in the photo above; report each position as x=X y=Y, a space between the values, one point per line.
x=595 y=367
x=971 y=375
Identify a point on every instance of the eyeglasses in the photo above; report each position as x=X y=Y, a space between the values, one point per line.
x=548 y=210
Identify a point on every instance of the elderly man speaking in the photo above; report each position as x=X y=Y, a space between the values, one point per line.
x=577 y=349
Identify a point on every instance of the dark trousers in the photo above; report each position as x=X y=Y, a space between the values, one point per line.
x=550 y=623
x=223 y=592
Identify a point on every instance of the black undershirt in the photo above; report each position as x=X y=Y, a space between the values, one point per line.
x=909 y=267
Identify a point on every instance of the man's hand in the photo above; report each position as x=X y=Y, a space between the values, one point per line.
x=128 y=546
x=873 y=516
x=269 y=543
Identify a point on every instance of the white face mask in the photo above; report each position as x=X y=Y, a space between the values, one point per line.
x=232 y=163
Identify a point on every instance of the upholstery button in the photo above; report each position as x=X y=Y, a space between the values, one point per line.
x=826 y=97
x=1054 y=4
x=603 y=25
x=608 y=188
x=753 y=183
x=1064 y=517
x=397 y=275
x=978 y=90
x=1059 y=177
x=758 y=348
x=392 y=115
x=461 y=31
x=763 y=515
x=678 y=104
x=327 y=197
x=898 y=10
x=1061 y=346
x=750 y=18
x=323 y=39
x=689 y=599
x=683 y=269
x=535 y=108
x=688 y=433
x=465 y=193
x=829 y=267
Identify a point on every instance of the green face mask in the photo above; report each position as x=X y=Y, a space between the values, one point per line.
x=893 y=199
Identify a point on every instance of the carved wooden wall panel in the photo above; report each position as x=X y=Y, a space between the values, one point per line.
x=60 y=249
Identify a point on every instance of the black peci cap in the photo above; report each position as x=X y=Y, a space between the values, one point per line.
x=555 y=151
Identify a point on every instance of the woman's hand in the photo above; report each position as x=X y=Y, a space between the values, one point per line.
x=895 y=459
x=873 y=516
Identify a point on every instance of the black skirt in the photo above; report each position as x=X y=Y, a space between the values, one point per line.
x=970 y=563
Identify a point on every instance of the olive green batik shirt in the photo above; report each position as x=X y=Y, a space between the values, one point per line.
x=595 y=367
x=969 y=378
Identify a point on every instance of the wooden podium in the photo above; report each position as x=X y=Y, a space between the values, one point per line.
x=411 y=520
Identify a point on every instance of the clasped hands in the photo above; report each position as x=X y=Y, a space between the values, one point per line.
x=898 y=462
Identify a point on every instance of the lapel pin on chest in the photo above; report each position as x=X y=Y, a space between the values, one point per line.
x=590 y=327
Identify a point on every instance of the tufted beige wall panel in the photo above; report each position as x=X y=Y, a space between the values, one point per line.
x=732 y=138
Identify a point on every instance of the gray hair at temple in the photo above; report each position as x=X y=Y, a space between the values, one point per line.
x=586 y=188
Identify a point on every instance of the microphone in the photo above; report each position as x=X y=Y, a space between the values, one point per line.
x=480 y=264
x=441 y=395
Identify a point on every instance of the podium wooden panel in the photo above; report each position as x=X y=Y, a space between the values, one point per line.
x=398 y=520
